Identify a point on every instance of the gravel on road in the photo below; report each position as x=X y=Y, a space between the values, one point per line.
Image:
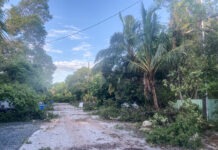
x=75 y=129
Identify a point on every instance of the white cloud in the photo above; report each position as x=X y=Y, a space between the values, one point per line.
x=56 y=17
x=65 y=68
x=49 y=48
x=65 y=31
x=7 y=6
x=71 y=65
x=72 y=27
x=82 y=47
x=60 y=75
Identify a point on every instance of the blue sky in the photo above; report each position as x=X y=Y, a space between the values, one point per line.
x=70 y=16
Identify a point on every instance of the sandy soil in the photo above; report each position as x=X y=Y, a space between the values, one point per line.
x=76 y=130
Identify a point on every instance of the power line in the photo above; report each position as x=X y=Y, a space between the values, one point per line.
x=108 y=18
x=96 y=24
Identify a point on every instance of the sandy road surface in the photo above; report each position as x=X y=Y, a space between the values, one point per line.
x=76 y=130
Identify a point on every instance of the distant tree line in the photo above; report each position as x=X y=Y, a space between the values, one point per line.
x=150 y=63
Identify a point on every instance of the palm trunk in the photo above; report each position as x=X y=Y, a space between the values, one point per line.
x=147 y=86
x=144 y=83
x=174 y=41
x=156 y=106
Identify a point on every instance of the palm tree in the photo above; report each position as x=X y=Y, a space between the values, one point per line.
x=145 y=48
x=130 y=32
x=153 y=52
x=150 y=52
x=122 y=44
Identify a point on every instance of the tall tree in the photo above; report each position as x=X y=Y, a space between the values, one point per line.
x=153 y=52
x=114 y=63
x=150 y=52
x=26 y=23
x=190 y=22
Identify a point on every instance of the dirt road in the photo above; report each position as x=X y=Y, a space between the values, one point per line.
x=76 y=130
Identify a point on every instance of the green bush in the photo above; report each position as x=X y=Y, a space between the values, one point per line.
x=25 y=101
x=184 y=132
x=213 y=125
x=159 y=120
x=89 y=106
x=122 y=114
x=108 y=112
x=7 y=116
x=132 y=114
x=63 y=99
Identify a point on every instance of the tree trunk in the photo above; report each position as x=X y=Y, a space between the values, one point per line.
x=180 y=92
x=144 y=83
x=174 y=42
x=196 y=93
x=156 y=106
x=147 y=86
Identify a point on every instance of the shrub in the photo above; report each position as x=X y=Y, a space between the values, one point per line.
x=159 y=120
x=88 y=97
x=89 y=106
x=184 y=132
x=25 y=101
x=108 y=112
x=132 y=114
x=122 y=114
x=63 y=99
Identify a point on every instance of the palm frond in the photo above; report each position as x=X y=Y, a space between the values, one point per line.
x=140 y=64
x=101 y=54
x=116 y=47
x=161 y=51
x=174 y=56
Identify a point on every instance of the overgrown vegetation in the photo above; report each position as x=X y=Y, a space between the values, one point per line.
x=24 y=101
x=185 y=131
x=25 y=70
x=148 y=65
x=145 y=66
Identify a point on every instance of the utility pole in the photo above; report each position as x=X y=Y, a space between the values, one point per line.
x=88 y=71
x=205 y=110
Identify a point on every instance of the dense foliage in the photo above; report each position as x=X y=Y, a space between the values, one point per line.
x=184 y=132
x=24 y=101
x=150 y=64
x=25 y=70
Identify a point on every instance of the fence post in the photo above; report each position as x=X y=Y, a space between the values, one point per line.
x=205 y=113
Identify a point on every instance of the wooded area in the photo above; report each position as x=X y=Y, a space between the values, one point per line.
x=146 y=68
x=150 y=63
x=153 y=65
x=26 y=69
